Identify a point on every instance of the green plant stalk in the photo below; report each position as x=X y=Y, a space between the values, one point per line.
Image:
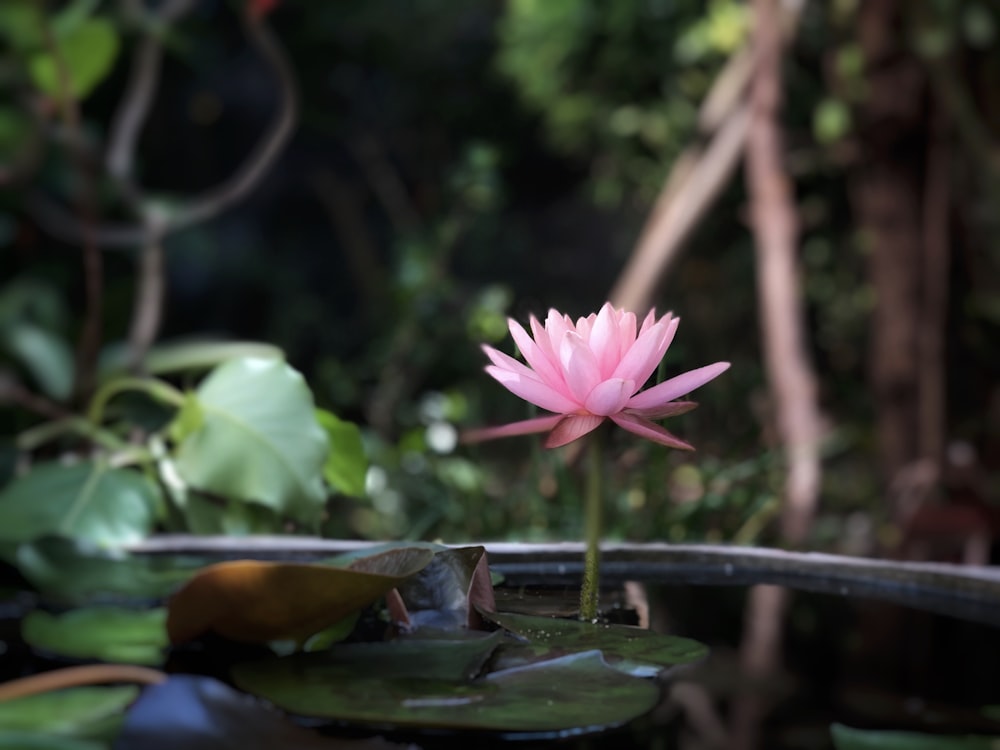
x=594 y=497
x=157 y=389
x=37 y=436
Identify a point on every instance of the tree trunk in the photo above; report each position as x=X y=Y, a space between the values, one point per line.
x=886 y=193
x=790 y=376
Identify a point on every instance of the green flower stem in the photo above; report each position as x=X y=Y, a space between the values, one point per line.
x=156 y=389
x=591 y=588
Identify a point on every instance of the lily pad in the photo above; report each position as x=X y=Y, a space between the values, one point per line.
x=442 y=659
x=254 y=601
x=848 y=738
x=89 y=500
x=32 y=741
x=81 y=712
x=635 y=651
x=419 y=684
x=71 y=572
x=201 y=713
x=113 y=634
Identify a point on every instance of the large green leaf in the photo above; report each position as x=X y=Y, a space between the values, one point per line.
x=84 y=712
x=112 y=634
x=257 y=439
x=404 y=684
x=87 y=52
x=346 y=464
x=89 y=500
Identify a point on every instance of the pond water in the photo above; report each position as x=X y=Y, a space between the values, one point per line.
x=848 y=660
x=859 y=662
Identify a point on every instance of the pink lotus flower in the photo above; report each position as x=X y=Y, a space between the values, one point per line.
x=591 y=371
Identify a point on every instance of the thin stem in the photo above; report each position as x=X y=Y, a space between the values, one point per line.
x=594 y=490
x=37 y=436
x=202 y=207
x=157 y=389
x=147 y=309
x=87 y=674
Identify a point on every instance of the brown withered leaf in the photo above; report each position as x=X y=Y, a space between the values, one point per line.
x=254 y=601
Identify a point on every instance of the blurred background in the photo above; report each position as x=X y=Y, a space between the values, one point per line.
x=375 y=186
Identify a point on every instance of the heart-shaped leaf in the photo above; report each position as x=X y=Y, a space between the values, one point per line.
x=87 y=53
x=255 y=601
x=256 y=438
x=112 y=634
x=386 y=686
x=89 y=500
x=638 y=652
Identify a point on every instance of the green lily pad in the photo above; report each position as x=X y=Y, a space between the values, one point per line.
x=635 y=651
x=255 y=601
x=848 y=738
x=111 y=634
x=32 y=741
x=69 y=572
x=201 y=713
x=441 y=659
x=425 y=684
x=81 y=712
x=89 y=500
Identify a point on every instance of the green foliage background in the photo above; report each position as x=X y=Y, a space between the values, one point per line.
x=455 y=163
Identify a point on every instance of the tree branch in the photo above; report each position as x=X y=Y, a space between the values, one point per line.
x=63 y=225
x=147 y=307
x=934 y=309
x=698 y=175
x=790 y=376
x=133 y=109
